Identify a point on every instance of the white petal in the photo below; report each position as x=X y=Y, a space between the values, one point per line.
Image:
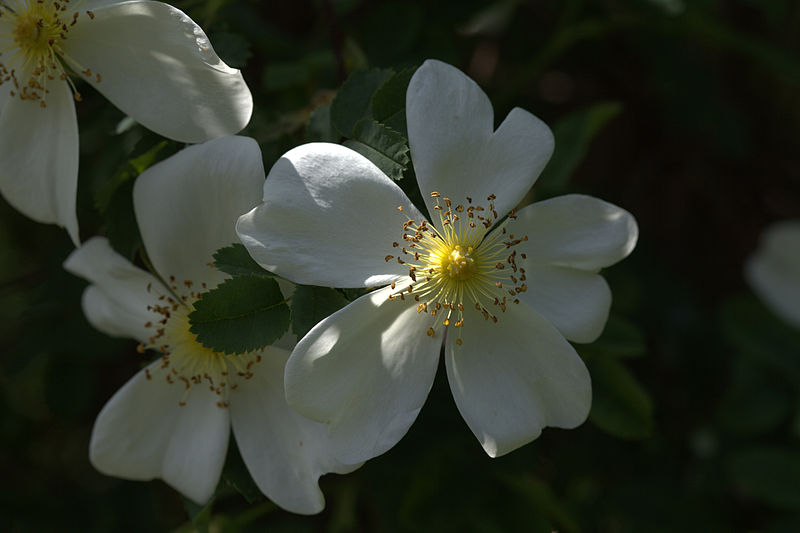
x=5 y=93
x=39 y=151
x=284 y=452
x=366 y=370
x=455 y=149
x=97 y=4
x=513 y=378
x=143 y=433
x=329 y=217
x=117 y=302
x=113 y=319
x=158 y=66
x=577 y=231
x=187 y=205
x=773 y=271
x=576 y=302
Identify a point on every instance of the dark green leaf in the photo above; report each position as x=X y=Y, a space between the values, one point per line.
x=200 y=515
x=410 y=186
x=121 y=227
x=492 y=19
x=352 y=103
x=541 y=500
x=232 y=48
x=282 y=76
x=756 y=402
x=397 y=122
x=390 y=98
x=344 y=511
x=240 y=315
x=574 y=133
x=386 y=148
x=620 y=338
x=784 y=524
x=768 y=474
x=779 y=60
x=236 y=475
x=353 y=294
x=235 y=260
x=619 y=404
x=69 y=385
x=312 y=304
x=755 y=331
x=114 y=199
x=130 y=169
x=319 y=127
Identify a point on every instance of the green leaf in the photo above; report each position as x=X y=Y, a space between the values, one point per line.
x=319 y=127
x=312 y=304
x=240 y=315
x=574 y=133
x=390 y=98
x=386 y=148
x=236 y=475
x=768 y=474
x=620 y=406
x=235 y=260
x=352 y=103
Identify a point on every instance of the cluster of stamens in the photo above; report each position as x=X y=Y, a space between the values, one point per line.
x=33 y=53
x=184 y=360
x=460 y=264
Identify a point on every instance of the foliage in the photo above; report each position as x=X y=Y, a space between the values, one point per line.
x=242 y=314
x=235 y=260
x=312 y=304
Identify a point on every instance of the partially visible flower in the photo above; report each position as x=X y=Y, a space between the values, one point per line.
x=149 y=58
x=500 y=289
x=773 y=270
x=172 y=420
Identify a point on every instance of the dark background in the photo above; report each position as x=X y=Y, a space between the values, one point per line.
x=684 y=113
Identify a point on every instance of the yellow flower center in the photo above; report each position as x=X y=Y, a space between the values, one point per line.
x=460 y=265
x=32 y=52
x=29 y=35
x=185 y=361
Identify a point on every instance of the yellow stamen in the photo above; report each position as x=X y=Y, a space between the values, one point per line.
x=461 y=262
x=185 y=361
x=32 y=53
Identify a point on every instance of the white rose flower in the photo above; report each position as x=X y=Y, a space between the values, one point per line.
x=149 y=58
x=773 y=271
x=172 y=420
x=500 y=293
